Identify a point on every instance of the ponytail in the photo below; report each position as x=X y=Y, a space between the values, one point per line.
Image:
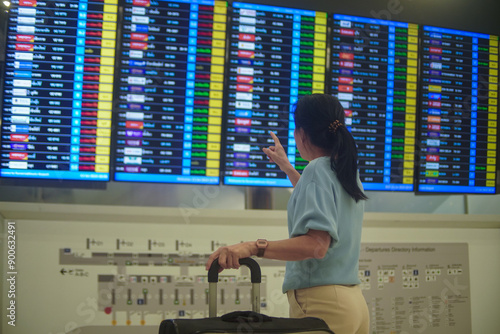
x=322 y=118
x=343 y=161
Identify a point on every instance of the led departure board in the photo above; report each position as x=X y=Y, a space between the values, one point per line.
x=58 y=88
x=276 y=55
x=458 y=132
x=374 y=75
x=170 y=91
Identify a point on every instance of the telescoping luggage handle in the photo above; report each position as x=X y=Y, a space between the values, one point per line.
x=213 y=279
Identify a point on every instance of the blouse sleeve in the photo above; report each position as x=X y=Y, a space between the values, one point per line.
x=315 y=209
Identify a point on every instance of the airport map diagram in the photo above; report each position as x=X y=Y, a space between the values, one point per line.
x=129 y=277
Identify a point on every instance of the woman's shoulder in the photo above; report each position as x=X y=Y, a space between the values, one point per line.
x=319 y=170
x=318 y=162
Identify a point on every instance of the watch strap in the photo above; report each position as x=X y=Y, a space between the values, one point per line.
x=261 y=247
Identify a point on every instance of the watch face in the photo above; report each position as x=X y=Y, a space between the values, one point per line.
x=261 y=247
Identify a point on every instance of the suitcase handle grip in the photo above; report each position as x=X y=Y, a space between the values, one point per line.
x=255 y=275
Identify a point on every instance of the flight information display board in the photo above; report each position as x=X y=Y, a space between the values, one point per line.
x=374 y=75
x=169 y=114
x=58 y=90
x=276 y=55
x=458 y=132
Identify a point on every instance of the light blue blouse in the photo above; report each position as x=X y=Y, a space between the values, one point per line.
x=319 y=202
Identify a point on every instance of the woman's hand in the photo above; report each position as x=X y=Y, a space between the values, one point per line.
x=313 y=244
x=277 y=153
x=229 y=256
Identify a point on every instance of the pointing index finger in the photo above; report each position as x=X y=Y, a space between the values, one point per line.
x=275 y=138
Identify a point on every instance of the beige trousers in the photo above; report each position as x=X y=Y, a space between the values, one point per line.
x=342 y=307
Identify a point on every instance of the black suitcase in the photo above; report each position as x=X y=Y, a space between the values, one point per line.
x=247 y=322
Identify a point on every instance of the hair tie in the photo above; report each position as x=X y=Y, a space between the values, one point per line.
x=334 y=126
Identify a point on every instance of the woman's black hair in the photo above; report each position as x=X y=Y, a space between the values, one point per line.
x=321 y=116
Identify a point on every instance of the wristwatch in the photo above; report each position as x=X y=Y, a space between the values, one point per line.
x=261 y=247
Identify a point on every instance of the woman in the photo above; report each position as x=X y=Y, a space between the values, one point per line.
x=325 y=214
